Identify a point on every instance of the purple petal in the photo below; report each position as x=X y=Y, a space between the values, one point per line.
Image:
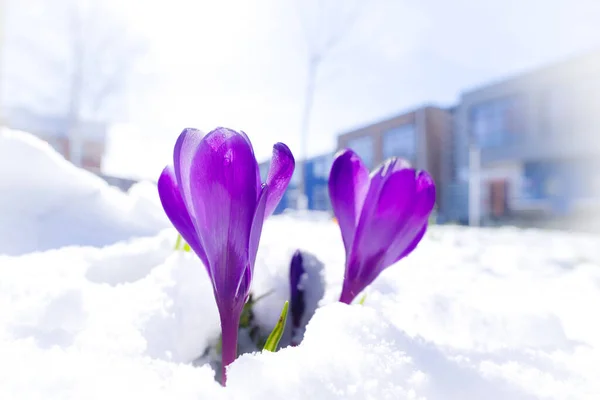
x=389 y=198
x=243 y=289
x=257 y=224
x=413 y=231
x=245 y=136
x=386 y=214
x=382 y=173
x=413 y=245
x=186 y=147
x=223 y=188
x=258 y=181
x=174 y=207
x=280 y=173
x=425 y=193
x=348 y=185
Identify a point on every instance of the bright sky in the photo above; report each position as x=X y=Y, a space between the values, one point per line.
x=242 y=64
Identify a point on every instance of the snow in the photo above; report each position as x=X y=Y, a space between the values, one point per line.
x=472 y=314
x=47 y=203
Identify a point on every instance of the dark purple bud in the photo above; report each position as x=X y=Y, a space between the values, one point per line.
x=297 y=304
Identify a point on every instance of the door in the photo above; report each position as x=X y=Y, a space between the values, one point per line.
x=498 y=197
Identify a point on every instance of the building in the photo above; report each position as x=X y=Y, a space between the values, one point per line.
x=54 y=130
x=316 y=170
x=422 y=136
x=526 y=147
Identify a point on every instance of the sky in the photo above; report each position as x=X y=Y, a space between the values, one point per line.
x=243 y=64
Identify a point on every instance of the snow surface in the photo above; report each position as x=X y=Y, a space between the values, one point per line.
x=48 y=203
x=471 y=314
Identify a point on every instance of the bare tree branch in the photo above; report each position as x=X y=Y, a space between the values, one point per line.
x=316 y=55
x=86 y=57
x=85 y=53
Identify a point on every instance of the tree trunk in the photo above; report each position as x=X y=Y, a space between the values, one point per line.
x=309 y=95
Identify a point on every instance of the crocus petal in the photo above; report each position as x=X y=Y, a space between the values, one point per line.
x=389 y=199
x=348 y=185
x=280 y=173
x=425 y=193
x=257 y=224
x=415 y=227
x=413 y=245
x=174 y=207
x=186 y=147
x=386 y=214
x=223 y=188
x=243 y=288
x=258 y=181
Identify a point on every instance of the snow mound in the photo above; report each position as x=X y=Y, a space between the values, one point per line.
x=471 y=314
x=48 y=203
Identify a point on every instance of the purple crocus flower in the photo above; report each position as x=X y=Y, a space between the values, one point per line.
x=214 y=197
x=382 y=216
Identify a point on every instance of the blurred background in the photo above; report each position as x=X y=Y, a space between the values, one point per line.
x=498 y=99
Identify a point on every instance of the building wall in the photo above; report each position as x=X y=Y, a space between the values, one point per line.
x=439 y=136
x=553 y=118
x=558 y=105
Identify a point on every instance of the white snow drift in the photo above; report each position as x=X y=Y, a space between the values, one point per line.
x=471 y=314
x=47 y=203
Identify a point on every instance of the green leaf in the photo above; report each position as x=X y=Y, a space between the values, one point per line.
x=275 y=336
x=180 y=244
x=362 y=299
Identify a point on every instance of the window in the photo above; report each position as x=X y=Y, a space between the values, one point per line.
x=497 y=122
x=320 y=198
x=295 y=181
x=400 y=142
x=292 y=195
x=543 y=180
x=321 y=167
x=363 y=146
